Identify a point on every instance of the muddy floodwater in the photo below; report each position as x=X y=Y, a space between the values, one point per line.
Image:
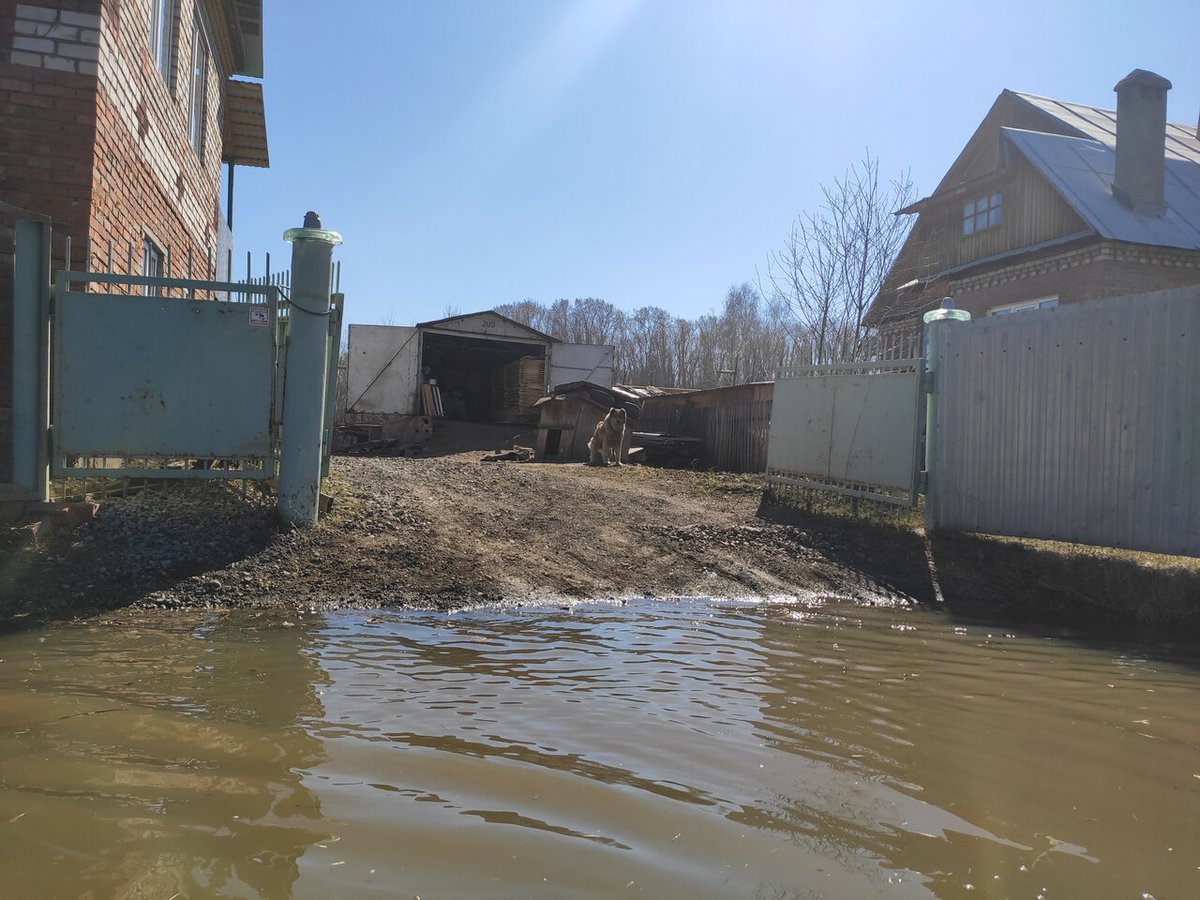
x=692 y=749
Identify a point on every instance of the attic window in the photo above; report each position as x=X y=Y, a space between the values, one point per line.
x=984 y=213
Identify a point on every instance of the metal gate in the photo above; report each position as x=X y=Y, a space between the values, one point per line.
x=121 y=376
x=852 y=428
x=156 y=376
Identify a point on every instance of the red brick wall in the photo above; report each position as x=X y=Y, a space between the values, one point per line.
x=147 y=180
x=92 y=135
x=1100 y=270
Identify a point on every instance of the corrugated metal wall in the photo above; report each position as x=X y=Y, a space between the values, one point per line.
x=1080 y=423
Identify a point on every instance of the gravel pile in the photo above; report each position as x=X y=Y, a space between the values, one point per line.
x=136 y=545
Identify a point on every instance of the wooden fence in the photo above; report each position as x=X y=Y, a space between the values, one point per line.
x=734 y=423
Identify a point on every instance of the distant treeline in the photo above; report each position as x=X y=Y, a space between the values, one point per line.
x=749 y=340
x=833 y=263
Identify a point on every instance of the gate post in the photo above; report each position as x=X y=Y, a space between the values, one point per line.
x=31 y=360
x=933 y=319
x=305 y=375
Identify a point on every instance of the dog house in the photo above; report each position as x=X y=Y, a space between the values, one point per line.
x=568 y=418
x=481 y=367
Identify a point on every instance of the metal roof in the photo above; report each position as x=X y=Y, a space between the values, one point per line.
x=1082 y=169
x=488 y=312
x=1101 y=125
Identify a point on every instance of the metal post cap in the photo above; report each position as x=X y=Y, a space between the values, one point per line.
x=311 y=233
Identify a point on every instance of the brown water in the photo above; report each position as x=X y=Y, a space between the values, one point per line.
x=656 y=750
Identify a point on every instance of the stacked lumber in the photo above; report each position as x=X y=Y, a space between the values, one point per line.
x=431 y=401
x=516 y=392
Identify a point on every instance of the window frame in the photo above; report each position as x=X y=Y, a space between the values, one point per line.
x=1022 y=306
x=161 y=37
x=198 y=85
x=154 y=259
x=983 y=213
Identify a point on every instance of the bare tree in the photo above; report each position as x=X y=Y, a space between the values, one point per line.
x=834 y=261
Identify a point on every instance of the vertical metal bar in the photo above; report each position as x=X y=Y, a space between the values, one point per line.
x=109 y=269
x=128 y=265
x=331 y=378
x=229 y=198
x=31 y=359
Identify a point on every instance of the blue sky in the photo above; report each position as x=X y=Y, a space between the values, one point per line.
x=648 y=152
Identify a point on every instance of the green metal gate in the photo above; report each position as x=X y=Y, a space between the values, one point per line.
x=121 y=376
x=154 y=376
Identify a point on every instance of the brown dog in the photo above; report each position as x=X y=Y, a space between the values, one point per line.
x=608 y=439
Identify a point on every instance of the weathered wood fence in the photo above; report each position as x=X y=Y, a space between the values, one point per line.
x=734 y=423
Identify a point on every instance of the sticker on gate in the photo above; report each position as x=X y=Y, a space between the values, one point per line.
x=258 y=315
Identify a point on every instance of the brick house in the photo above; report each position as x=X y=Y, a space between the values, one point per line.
x=1052 y=203
x=115 y=119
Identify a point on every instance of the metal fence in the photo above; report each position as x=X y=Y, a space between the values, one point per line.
x=851 y=428
x=120 y=376
x=1080 y=423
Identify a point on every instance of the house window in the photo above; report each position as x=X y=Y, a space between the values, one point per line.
x=197 y=99
x=1024 y=306
x=982 y=214
x=162 y=15
x=152 y=265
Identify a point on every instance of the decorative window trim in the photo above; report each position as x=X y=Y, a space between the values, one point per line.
x=1006 y=309
x=982 y=214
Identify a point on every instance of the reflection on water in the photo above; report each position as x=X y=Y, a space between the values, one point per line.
x=687 y=750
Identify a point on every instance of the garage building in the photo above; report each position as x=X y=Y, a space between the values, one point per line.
x=485 y=367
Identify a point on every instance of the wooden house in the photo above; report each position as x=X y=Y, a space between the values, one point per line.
x=1052 y=203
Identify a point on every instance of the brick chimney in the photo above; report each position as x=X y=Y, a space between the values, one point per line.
x=1141 y=138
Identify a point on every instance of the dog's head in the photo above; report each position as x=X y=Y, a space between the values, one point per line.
x=616 y=418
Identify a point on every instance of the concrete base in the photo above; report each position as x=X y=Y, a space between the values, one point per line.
x=38 y=520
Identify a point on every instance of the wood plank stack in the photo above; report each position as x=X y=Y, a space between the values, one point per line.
x=522 y=383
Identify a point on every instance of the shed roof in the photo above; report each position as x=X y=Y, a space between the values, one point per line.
x=482 y=316
x=244 y=138
x=1082 y=171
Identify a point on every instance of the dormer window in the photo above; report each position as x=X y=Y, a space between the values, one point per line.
x=984 y=213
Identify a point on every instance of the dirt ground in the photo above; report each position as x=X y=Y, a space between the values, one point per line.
x=445 y=530
x=448 y=531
